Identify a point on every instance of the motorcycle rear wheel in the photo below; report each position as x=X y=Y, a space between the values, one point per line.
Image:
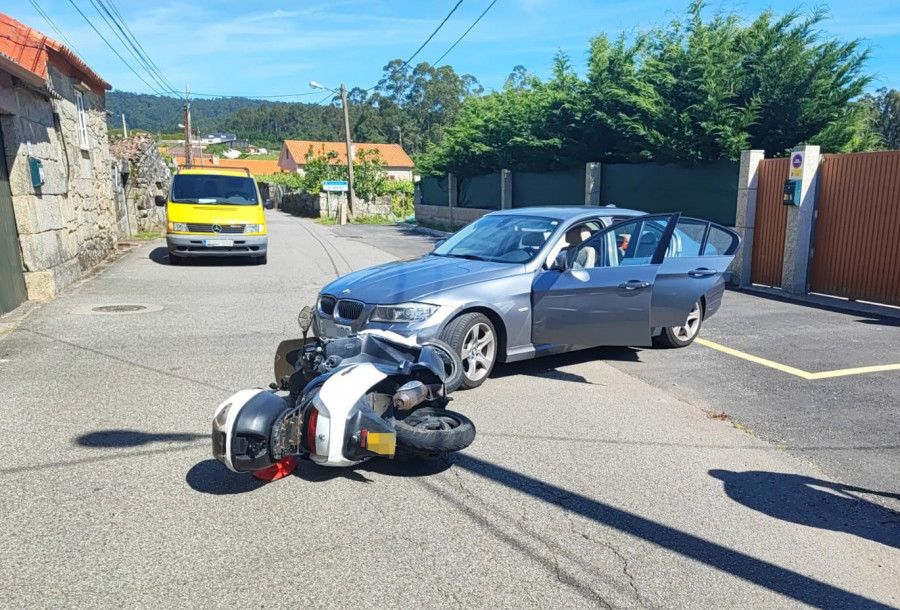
x=431 y=430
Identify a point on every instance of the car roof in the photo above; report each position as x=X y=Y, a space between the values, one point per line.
x=569 y=212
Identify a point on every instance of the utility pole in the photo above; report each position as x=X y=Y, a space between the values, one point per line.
x=188 y=149
x=124 y=127
x=400 y=131
x=349 y=156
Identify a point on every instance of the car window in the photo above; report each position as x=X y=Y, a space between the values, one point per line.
x=500 y=238
x=626 y=244
x=687 y=238
x=720 y=242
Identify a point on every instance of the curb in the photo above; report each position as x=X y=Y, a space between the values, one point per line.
x=423 y=230
x=833 y=303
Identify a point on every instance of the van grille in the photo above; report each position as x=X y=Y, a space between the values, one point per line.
x=349 y=310
x=195 y=227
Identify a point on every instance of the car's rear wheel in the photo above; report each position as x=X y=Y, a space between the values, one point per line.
x=682 y=336
x=474 y=338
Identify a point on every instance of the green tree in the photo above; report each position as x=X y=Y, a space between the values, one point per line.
x=882 y=110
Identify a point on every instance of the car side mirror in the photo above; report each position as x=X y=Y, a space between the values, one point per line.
x=438 y=244
x=160 y=200
x=561 y=262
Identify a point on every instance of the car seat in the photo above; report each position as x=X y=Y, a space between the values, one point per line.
x=647 y=245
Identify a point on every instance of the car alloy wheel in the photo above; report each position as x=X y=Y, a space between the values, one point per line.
x=691 y=325
x=478 y=352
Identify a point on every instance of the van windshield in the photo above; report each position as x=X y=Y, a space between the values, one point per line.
x=213 y=189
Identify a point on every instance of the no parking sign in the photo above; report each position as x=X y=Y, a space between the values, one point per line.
x=796 y=166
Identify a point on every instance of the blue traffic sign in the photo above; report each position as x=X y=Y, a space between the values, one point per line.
x=335 y=185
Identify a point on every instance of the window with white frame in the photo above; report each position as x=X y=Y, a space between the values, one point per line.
x=81 y=119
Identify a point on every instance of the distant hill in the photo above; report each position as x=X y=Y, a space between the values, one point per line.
x=163 y=114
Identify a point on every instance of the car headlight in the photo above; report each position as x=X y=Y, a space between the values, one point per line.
x=253 y=228
x=178 y=226
x=404 y=312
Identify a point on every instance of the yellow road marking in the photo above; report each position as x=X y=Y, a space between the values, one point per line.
x=795 y=371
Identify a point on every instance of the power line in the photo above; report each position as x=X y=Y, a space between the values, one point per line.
x=411 y=57
x=453 y=46
x=57 y=30
x=138 y=42
x=113 y=49
x=125 y=44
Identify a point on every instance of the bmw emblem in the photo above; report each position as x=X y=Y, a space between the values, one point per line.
x=345 y=291
x=216 y=229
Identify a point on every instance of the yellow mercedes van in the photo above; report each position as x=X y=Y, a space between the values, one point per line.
x=214 y=212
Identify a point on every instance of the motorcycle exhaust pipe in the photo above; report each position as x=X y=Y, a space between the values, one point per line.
x=411 y=394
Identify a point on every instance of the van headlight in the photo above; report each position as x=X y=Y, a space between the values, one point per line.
x=178 y=227
x=253 y=228
x=404 y=312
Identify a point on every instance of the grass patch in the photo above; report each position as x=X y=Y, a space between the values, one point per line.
x=326 y=220
x=147 y=235
x=378 y=219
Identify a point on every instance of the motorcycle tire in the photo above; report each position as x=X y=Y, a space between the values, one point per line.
x=453 y=366
x=430 y=430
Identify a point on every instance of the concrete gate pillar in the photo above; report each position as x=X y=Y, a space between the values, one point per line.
x=745 y=217
x=592 y=173
x=799 y=230
x=505 y=189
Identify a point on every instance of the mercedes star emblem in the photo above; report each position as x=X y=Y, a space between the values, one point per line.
x=216 y=229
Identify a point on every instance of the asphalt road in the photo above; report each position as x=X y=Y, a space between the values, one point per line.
x=586 y=487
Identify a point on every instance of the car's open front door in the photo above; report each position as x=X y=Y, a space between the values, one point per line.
x=603 y=296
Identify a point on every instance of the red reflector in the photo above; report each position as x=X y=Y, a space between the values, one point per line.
x=363 y=438
x=311 y=430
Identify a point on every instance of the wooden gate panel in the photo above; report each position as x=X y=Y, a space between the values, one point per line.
x=12 y=278
x=771 y=219
x=856 y=244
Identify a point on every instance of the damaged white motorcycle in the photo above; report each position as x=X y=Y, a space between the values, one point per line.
x=339 y=402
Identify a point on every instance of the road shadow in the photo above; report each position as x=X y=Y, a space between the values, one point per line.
x=814 y=503
x=784 y=581
x=212 y=477
x=160 y=256
x=548 y=367
x=847 y=309
x=133 y=438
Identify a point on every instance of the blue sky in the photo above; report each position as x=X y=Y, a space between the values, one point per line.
x=271 y=48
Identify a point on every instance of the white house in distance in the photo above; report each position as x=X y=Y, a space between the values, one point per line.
x=296 y=153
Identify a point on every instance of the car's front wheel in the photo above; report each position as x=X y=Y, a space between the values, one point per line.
x=682 y=336
x=474 y=338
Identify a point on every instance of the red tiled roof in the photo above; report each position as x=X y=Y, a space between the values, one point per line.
x=33 y=51
x=257 y=167
x=392 y=155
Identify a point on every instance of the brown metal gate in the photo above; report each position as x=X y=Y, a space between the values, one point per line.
x=12 y=279
x=771 y=218
x=856 y=245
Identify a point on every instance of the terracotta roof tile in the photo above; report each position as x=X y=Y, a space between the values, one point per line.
x=34 y=51
x=391 y=154
x=131 y=148
x=257 y=167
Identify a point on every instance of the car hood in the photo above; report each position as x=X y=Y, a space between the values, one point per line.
x=414 y=280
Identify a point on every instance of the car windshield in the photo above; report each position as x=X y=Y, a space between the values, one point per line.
x=212 y=189
x=501 y=238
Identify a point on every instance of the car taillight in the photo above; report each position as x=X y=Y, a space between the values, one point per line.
x=311 y=430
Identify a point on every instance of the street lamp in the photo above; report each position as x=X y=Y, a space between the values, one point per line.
x=350 y=195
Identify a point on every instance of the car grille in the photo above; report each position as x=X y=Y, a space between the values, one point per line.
x=349 y=310
x=326 y=305
x=195 y=227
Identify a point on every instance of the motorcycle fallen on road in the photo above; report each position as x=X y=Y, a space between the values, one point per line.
x=340 y=402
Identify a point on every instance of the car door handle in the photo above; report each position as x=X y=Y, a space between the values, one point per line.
x=634 y=285
x=702 y=272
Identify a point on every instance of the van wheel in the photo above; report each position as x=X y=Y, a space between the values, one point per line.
x=474 y=338
x=262 y=260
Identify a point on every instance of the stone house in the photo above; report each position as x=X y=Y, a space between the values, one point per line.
x=296 y=153
x=57 y=215
x=142 y=175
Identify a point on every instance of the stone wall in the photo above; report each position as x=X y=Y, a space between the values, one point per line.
x=143 y=174
x=67 y=225
x=324 y=205
x=440 y=216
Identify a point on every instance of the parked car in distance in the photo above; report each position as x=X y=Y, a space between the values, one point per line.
x=523 y=283
x=214 y=212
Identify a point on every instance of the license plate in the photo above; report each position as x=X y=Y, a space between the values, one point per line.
x=342 y=331
x=382 y=443
x=214 y=243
